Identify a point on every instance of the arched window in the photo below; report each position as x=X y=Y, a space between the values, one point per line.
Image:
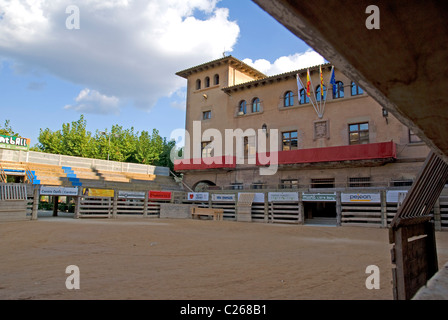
x=288 y=99
x=339 y=93
x=216 y=79
x=318 y=94
x=256 y=105
x=304 y=97
x=242 y=107
x=207 y=82
x=198 y=84
x=356 y=90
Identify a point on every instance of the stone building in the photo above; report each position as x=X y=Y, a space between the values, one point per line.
x=341 y=139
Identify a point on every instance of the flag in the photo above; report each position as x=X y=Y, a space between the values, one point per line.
x=299 y=84
x=333 y=81
x=308 y=83
x=321 y=82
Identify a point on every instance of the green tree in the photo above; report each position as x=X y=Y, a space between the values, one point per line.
x=149 y=147
x=165 y=156
x=124 y=145
x=72 y=140
x=7 y=130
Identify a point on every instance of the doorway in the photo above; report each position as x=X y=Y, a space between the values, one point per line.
x=320 y=213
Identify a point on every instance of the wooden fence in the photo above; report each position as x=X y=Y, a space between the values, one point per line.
x=106 y=207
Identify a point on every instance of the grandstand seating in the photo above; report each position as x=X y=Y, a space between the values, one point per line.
x=54 y=175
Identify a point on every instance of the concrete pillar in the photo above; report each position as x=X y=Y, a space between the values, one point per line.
x=55 y=205
x=338 y=209
x=145 y=204
x=383 y=209
x=114 y=204
x=437 y=218
x=35 y=208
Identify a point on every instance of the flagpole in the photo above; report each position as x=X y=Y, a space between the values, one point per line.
x=314 y=94
x=331 y=72
x=312 y=103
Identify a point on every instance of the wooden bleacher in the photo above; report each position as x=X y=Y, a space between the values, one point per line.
x=55 y=175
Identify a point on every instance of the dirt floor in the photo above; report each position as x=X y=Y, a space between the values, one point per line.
x=136 y=258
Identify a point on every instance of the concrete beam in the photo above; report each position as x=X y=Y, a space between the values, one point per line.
x=403 y=65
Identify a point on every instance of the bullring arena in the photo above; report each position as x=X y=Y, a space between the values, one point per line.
x=190 y=259
x=129 y=246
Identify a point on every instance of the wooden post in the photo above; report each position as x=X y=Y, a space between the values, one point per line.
x=78 y=204
x=301 y=209
x=145 y=204
x=383 y=208
x=338 y=209
x=437 y=218
x=114 y=204
x=35 y=203
x=266 y=208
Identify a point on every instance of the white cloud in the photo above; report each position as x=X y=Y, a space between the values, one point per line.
x=126 y=49
x=91 y=101
x=283 y=64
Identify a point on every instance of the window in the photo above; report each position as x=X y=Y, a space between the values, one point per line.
x=288 y=99
x=318 y=94
x=358 y=133
x=246 y=147
x=207 y=82
x=413 y=138
x=206 y=115
x=198 y=84
x=257 y=185
x=206 y=150
x=216 y=79
x=289 y=184
x=237 y=186
x=401 y=183
x=322 y=183
x=359 y=182
x=256 y=105
x=304 y=97
x=242 y=107
x=289 y=141
x=339 y=90
x=356 y=90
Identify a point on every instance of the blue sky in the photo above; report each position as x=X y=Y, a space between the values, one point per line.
x=119 y=66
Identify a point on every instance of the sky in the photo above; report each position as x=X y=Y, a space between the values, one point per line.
x=114 y=61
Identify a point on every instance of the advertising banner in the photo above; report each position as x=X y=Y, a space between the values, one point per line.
x=159 y=195
x=223 y=197
x=283 y=196
x=360 y=197
x=58 y=191
x=91 y=192
x=131 y=195
x=319 y=197
x=14 y=143
x=259 y=197
x=197 y=196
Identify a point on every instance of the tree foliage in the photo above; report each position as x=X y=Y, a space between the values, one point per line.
x=6 y=130
x=124 y=145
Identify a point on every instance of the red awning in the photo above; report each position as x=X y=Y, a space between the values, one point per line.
x=205 y=163
x=371 y=151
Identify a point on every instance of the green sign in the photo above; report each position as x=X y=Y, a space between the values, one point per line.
x=14 y=143
x=319 y=197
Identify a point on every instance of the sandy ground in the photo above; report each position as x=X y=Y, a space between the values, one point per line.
x=135 y=258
